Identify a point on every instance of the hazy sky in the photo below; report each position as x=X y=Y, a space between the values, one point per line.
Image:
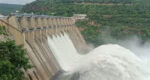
x=16 y=1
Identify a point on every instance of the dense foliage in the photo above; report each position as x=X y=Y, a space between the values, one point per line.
x=2 y=30
x=117 y=21
x=5 y=9
x=12 y=60
x=91 y=1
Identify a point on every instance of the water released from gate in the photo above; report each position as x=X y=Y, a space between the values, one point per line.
x=64 y=51
x=106 y=62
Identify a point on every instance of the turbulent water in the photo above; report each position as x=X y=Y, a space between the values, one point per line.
x=64 y=51
x=106 y=62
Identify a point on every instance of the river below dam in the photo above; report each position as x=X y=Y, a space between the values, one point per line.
x=106 y=62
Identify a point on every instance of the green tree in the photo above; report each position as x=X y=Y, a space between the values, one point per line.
x=12 y=60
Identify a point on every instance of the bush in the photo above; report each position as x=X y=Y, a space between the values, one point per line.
x=2 y=30
x=12 y=61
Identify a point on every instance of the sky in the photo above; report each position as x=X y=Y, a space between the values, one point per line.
x=16 y=1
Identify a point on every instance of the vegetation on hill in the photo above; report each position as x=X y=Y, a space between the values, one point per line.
x=117 y=21
x=12 y=59
x=90 y=1
x=5 y=9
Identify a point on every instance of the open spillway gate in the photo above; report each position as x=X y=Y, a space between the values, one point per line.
x=32 y=31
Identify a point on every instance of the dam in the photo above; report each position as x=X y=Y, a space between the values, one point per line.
x=33 y=30
x=54 y=46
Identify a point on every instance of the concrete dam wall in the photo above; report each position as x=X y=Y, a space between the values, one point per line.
x=32 y=31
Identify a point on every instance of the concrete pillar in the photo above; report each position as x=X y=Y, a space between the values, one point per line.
x=12 y=20
x=50 y=23
x=19 y=22
x=54 y=21
x=59 y=25
x=31 y=36
x=24 y=23
x=71 y=21
x=60 y=21
x=42 y=22
x=32 y=22
x=38 y=34
x=45 y=25
x=45 y=22
x=65 y=23
x=39 y=22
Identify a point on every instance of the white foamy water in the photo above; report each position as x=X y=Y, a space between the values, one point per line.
x=64 y=51
x=112 y=62
x=107 y=62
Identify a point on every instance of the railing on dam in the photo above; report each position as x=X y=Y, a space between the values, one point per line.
x=32 y=31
